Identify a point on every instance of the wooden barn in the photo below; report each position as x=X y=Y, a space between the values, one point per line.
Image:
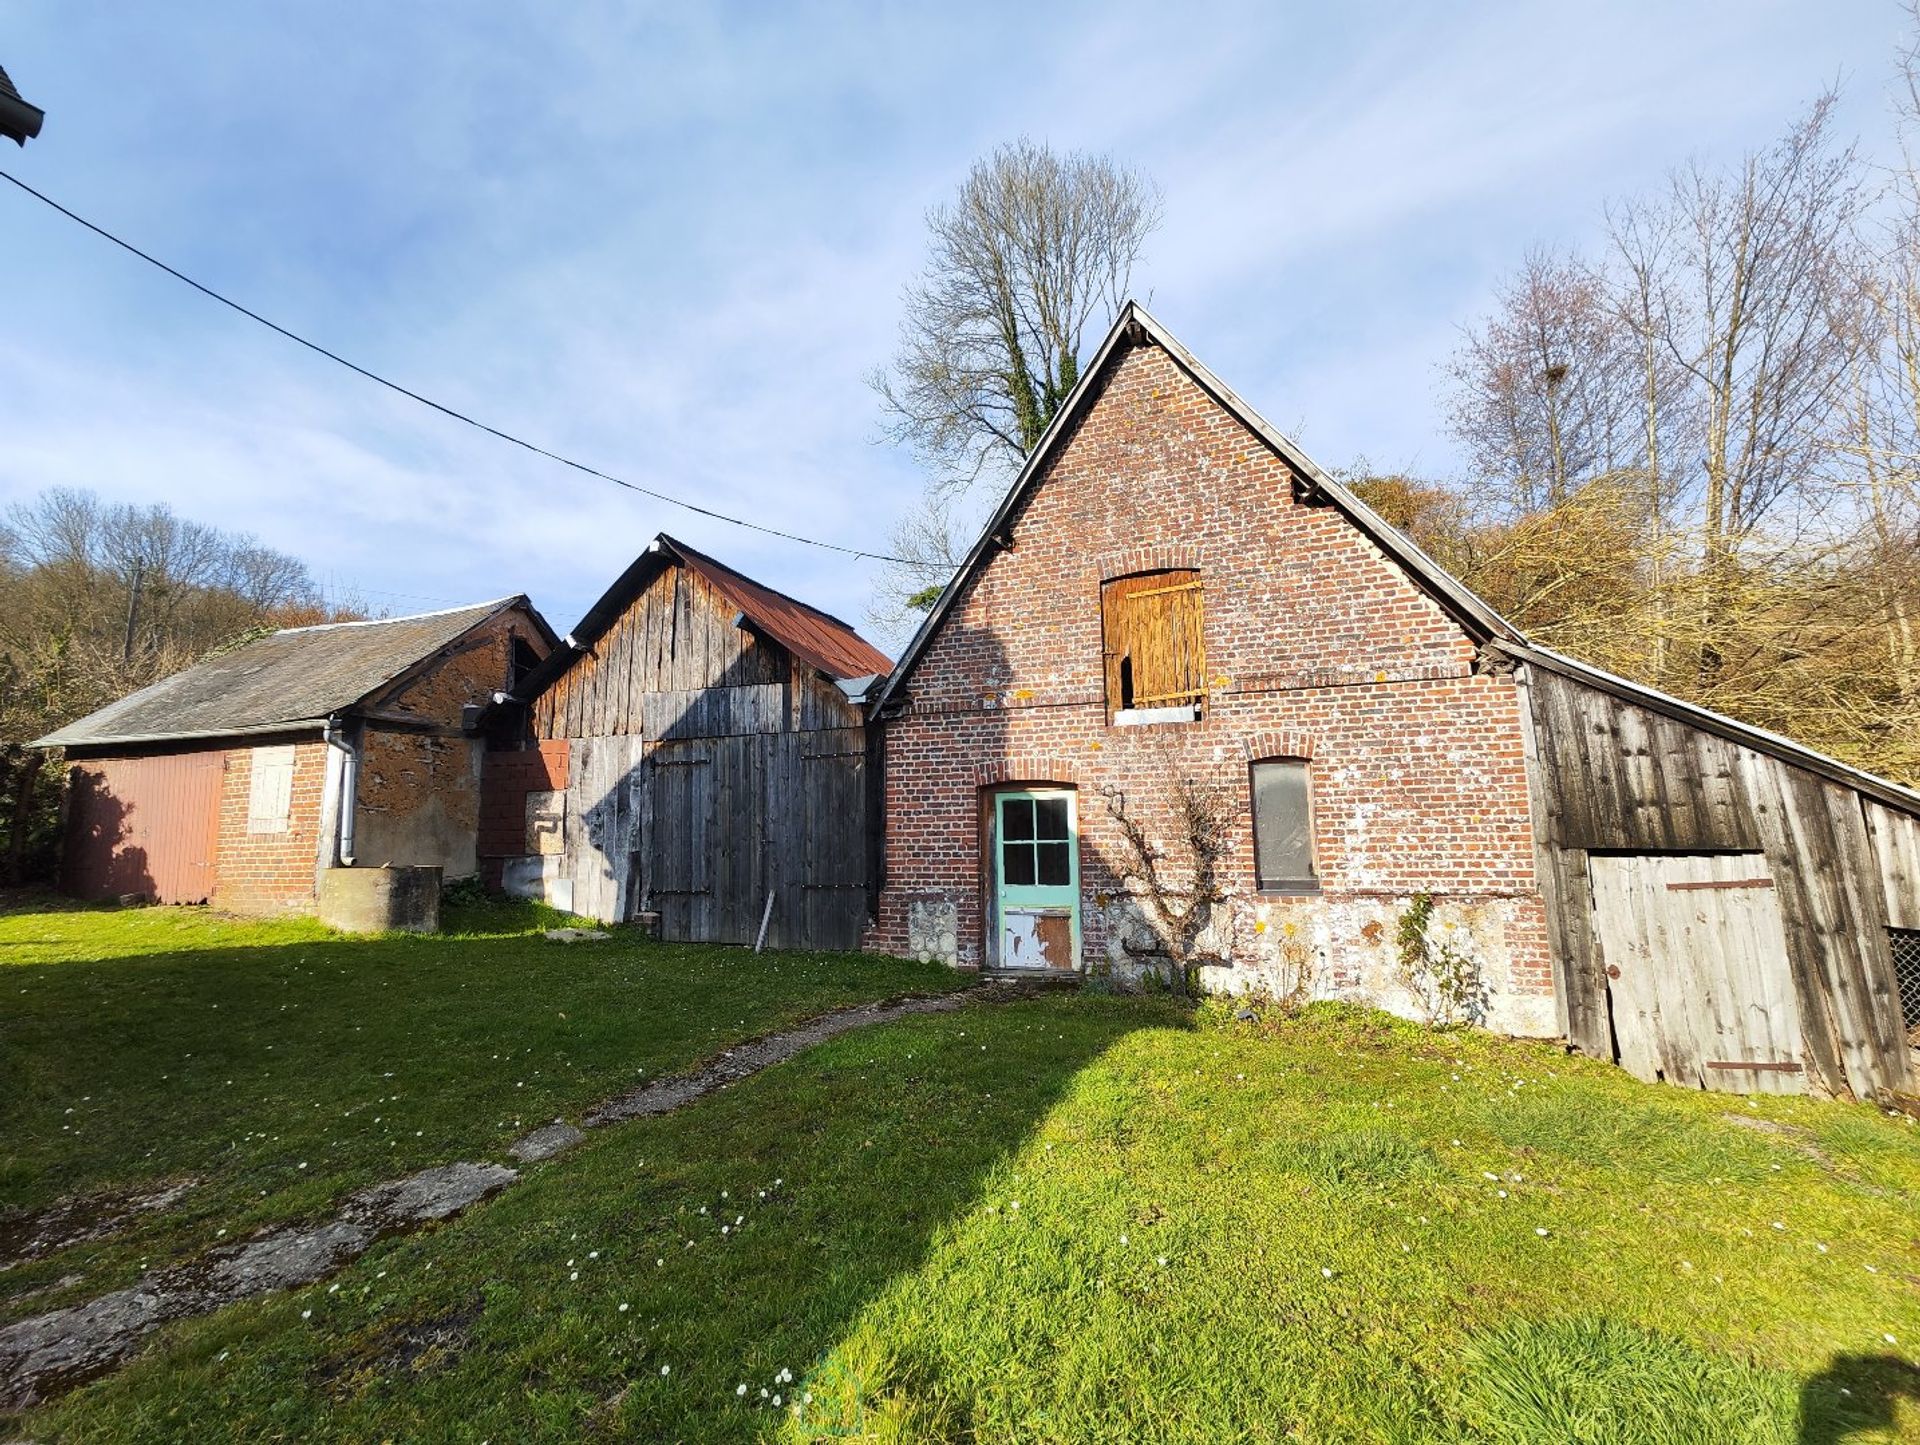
x=692 y=753
x=1729 y=909
x=1173 y=596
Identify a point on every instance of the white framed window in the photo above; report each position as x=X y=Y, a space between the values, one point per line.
x=270 y=799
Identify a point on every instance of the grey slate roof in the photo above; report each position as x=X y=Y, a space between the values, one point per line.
x=299 y=676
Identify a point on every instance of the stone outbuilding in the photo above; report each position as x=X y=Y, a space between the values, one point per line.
x=242 y=780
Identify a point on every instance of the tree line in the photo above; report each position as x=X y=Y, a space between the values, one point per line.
x=1693 y=453
x=98 y=600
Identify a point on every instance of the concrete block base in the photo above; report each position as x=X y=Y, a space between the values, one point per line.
x=381 y=900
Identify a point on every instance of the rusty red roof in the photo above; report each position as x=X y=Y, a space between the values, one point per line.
x=819 y=639
x=815 y=636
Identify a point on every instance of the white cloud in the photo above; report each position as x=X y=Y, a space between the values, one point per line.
x=672 y=243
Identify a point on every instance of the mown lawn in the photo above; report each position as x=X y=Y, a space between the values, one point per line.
x=1084 y=1218
x=282 y=1066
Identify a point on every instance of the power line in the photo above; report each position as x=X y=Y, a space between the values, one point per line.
x=428 y=401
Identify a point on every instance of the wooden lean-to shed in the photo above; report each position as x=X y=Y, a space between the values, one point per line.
x=692 y=753
x=1729 y=909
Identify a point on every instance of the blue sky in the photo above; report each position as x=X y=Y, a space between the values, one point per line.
x=671 y=240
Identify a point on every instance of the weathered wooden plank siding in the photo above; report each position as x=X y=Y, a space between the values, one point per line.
x=670 y=665
x=711 y=769
x=1896 y=849
x=1612 y=776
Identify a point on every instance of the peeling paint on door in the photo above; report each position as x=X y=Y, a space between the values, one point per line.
x=1036 y=938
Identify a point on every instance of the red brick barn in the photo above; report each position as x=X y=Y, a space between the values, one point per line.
x=1421 y=809
x=241 y=780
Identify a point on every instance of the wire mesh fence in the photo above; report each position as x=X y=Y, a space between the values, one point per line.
x=1906 y=971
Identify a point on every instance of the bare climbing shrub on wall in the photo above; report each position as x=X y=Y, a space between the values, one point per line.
x=1443 y=978
x=1179 y=889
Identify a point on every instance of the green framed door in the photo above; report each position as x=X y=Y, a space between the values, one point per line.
x=1036 y=881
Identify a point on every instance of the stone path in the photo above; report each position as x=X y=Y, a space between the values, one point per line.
x=50 y=1353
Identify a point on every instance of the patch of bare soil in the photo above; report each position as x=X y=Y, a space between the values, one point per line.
x=42 y=1356
x=403 y=1350
x=27 y=1235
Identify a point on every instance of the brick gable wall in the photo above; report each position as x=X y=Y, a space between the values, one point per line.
x=1316 y=645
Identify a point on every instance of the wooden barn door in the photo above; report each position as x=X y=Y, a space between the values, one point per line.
x=1697 y=974
x=604 y=804
x=677 y=865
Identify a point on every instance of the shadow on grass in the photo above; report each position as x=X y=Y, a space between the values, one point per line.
x=636 y=1284
x=1855 y=1392
x=282 y=1075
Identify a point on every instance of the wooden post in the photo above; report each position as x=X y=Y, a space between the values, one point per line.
x=766 y=917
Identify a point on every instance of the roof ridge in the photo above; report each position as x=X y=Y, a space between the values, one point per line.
x=492 y=604
x=678 y=545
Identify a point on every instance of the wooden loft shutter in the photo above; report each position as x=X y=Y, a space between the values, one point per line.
x=270 y=791
x=1152 y=629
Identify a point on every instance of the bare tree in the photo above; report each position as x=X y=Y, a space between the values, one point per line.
x=1758 y=268
x=1181 y=890
x=1544 y=389
x=1036 y=248
x=931 y=542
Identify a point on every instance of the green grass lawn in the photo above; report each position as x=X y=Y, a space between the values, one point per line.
x=283 y=1066
x=1083 y=1218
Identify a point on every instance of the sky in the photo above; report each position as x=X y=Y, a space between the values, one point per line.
x=671 y=241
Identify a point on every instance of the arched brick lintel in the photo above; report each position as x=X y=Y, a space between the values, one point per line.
x=1160 y=557
x=1279 y=744
x=1031 y=768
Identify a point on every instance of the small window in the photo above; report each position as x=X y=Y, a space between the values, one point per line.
x=1282 y=826
x=1156 y=665
x=521 y=661
x=270 y=797
x=1035 y=843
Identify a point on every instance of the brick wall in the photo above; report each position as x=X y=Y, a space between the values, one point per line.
x=420 y=786
x=505 y=780
x=1316 y=645
x=267 y=873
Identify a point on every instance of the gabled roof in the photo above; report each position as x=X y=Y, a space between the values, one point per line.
x=1137 y=326
x=817 y=638
x=296 y=677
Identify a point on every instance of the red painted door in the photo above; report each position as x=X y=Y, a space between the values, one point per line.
x=144 y=826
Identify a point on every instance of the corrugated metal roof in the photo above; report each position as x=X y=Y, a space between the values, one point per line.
x=815 y=636
x=299 y=675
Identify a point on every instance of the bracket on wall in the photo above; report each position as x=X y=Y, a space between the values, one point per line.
x=1492 y=662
